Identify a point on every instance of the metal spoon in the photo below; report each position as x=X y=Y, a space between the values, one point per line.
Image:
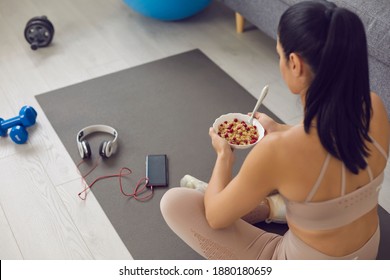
x=259 y=101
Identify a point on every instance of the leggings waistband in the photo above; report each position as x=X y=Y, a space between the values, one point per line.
x=294 y=248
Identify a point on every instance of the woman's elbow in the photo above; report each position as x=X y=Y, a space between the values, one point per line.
x=213 y=221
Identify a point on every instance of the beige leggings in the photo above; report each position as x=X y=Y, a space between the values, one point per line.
x=183 y=211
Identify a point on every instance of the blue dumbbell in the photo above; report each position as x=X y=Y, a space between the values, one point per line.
x=27 y=117
x=19 y=134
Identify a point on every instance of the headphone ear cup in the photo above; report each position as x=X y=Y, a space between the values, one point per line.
x=102 y=149
x=86 y=150
x=105 y=149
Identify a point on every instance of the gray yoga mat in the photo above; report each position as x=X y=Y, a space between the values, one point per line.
x=162 y=107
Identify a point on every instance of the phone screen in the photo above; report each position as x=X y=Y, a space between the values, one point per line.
x=157 y=170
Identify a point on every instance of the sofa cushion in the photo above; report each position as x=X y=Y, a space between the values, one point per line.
x=291 y=2
x=376 y=18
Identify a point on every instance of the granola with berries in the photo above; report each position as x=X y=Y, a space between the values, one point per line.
x=238 y=132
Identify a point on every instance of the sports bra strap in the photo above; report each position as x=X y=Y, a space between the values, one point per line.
x=379 y=147
x=370 y=174
x=343 y=174
x=319 y=180
x=343 y=185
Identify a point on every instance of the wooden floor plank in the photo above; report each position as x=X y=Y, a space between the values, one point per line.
x=40 y=217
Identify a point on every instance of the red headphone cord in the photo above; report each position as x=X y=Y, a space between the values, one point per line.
x=138 y=193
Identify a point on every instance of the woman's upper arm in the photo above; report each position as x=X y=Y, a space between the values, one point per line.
x=380 y=120
x=255 y=180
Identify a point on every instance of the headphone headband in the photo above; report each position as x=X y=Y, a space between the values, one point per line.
x=109 y=146
x=97 y=128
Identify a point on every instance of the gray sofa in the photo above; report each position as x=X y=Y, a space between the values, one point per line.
x=375 y=15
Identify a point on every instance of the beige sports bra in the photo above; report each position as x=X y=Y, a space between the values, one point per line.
x=339 y=211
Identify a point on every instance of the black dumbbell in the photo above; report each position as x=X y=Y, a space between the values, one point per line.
x=39 y=32
x=27 y=117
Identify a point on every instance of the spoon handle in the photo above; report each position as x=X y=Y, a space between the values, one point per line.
x=259 y=101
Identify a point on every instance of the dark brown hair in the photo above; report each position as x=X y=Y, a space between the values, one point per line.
x=332 y=41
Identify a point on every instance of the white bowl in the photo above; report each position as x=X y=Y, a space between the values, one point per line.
x=241 y=117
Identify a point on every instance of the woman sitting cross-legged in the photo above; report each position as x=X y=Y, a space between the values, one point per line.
x=327 y=170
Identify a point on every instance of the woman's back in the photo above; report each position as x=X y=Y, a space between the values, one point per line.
x=304 y=160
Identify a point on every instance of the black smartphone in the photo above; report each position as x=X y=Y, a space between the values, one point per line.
x=157 y=170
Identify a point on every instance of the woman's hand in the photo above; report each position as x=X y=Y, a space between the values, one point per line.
x=268 y=123
x=220 y=145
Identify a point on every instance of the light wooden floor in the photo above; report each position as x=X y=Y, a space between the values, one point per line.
x=41 y=216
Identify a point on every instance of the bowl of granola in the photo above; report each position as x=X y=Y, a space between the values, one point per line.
x=236 y=129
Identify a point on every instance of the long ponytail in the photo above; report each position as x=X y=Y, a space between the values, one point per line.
x=338 y=98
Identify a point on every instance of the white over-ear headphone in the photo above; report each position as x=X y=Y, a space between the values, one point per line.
x=106 y=149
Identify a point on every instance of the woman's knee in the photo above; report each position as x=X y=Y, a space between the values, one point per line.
x=180 y=202
x=168 y=201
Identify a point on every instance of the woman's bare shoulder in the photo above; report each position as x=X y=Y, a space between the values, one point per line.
x=378 y=106
x=380 y=125
x=285 y=144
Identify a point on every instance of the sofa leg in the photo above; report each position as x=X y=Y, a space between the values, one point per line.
x=240 y=22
